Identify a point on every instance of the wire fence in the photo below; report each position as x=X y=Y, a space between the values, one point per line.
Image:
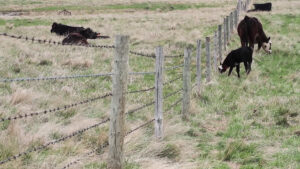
x=90 y=100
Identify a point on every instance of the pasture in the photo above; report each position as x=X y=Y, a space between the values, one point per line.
x=244 y=123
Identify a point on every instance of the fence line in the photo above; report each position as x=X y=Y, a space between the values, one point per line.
x=173 y=67
x=65 y=107
x=120 y=89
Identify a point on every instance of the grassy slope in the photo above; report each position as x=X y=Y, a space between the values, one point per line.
x=233 y=122
x=258 y=114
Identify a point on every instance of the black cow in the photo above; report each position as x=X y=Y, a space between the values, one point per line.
x=262 y=7
x=234 y=58
x=88 y=33
x=75 y=38
x=61 y=29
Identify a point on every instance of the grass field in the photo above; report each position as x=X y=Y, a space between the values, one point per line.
x=247 y=123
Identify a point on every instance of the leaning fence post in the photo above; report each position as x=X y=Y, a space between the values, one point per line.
x=198 y=60
x=208 y=65
x=220 y=42
x=119 y=89
x=186 y=84
x=159 y=93
x=215 y=51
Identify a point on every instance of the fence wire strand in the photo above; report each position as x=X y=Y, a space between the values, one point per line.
x=46 y=41
x=14 y=157
x=174 y=67
x=65 y=107
x=152 y=88
x=54 y=77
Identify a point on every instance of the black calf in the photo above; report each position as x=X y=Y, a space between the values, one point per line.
x=235 y=57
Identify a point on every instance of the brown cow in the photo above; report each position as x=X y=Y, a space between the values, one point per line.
x=251 y=31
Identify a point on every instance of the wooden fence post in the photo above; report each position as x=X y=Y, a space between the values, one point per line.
x=231 y=22
x=215 y=51
x=208 y=65
x=224 y=28
x=220 y=42
x=186 y=84
x=235 y=19
x=159 y=93
x=119 y=89
x=198 y=62
x=227 y=30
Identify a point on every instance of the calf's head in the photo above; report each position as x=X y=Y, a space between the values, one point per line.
x=267 y=46
x=222 y=68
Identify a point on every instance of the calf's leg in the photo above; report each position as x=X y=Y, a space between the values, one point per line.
x=230 y=70
x=238 y=70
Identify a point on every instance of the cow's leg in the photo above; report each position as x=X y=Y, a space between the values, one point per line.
x=230 y=70
x=238 y=70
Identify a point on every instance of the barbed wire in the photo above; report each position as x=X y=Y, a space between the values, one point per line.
x=141 y=126
x=174 y=67
x=173 y=93
x=53 y=77
x=174 y=104
x=152 y=55
x=174 y=56
x=65 y=107
x=152 y=88
x=141 y=107
x=14 y=157
x=140 y=73
x=46 y=41
x=105 y=145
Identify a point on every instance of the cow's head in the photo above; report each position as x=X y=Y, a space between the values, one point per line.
x=267 y=46
x=90 y=34
x=54 y=25
x=222 y=68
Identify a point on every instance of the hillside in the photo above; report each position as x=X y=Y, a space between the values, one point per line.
x=246 y=123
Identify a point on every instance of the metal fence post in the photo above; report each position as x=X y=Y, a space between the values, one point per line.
x=159 y=93
x=186 y=84
x=119 y=89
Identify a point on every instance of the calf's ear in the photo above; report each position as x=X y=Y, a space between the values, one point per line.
x=269 y=39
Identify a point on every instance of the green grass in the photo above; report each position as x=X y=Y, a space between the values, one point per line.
x=152 y=6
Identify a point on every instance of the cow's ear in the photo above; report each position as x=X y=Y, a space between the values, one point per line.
x=269 y=39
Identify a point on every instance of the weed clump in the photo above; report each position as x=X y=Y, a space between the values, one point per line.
x=170 y=151
x=281 y=116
